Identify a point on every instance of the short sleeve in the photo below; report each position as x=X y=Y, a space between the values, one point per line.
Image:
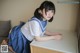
x=35 y=29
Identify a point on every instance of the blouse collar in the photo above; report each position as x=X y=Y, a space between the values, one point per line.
x=41 y=23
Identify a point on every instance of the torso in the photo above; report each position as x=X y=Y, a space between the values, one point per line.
x=34 y=27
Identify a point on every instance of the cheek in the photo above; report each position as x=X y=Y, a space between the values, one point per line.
x=44 y=15
x=49 y=15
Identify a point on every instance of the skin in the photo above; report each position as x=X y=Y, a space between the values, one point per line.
x=50 y=35
x=4 y=42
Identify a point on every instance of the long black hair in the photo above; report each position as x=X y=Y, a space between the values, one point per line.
x=47 y=5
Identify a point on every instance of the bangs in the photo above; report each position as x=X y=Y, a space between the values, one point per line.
x=49 y=8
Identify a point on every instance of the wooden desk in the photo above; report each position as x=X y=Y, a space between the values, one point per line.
x=68 y=44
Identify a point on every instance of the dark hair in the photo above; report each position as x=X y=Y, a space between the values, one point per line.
x=47 y=5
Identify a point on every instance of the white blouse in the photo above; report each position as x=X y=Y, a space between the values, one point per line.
x=31 y=29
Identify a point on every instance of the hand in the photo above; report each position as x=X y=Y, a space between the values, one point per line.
x=57 y=37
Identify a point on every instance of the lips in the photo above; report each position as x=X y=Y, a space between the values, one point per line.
x=48 y=17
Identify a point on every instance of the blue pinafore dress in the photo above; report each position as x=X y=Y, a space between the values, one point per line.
x=18 y=41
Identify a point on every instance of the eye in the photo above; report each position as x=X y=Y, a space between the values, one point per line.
x=50 y=11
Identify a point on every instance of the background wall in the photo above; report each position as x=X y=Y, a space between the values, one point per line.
x=22 y=10
x=0 y=8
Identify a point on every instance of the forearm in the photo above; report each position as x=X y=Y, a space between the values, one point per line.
x=44 y=38
x=52 y=33
x=48 y=33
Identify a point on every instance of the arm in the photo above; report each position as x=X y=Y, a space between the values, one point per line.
x=36 y=30
x=38 y=38
x=45 y=38
x=52 y=33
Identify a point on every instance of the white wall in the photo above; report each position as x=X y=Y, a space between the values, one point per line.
x=22 y=10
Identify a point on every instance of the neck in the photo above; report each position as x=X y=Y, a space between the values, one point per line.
x=43 y=19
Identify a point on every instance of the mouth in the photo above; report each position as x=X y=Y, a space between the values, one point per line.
x=49 y=17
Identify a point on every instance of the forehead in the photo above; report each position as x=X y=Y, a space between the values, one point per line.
x=49 y=11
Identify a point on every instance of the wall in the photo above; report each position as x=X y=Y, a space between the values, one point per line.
x=65 y=17
x=0 y=8
x=22 y=10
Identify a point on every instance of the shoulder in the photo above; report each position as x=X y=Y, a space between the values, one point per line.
x=34 y=20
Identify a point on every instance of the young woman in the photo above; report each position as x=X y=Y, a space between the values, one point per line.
x=35 y=29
